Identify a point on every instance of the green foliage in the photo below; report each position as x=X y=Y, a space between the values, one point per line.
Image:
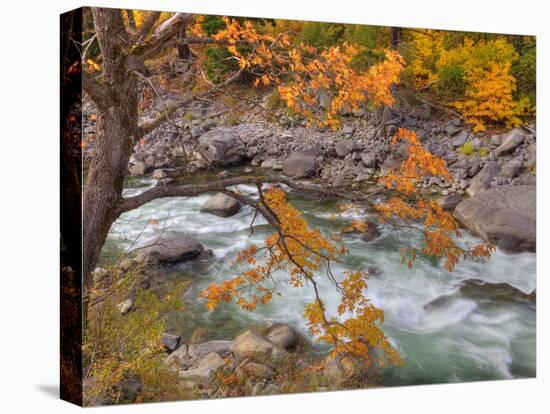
x=483 y=152
x=320 y=34
x=218 y=62
x=451 y=84
x=524 y=70
x=468 y=149
x=119 y=346
x=362 y=35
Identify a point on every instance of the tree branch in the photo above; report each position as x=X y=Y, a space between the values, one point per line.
x=97 y=90
x=192 y=190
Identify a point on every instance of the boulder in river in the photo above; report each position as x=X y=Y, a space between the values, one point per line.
x=171 y=249
x=474 y=288
x=301 y=164
x=449 y=202
x=371 y=233
x=504 y=215
x=221 y=205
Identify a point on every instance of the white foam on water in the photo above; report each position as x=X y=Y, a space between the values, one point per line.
x=456 y=339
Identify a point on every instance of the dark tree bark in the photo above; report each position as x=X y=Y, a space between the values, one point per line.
x=116 y=133
x=396 y=36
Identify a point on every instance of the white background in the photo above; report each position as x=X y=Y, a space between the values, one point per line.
x=29 y=217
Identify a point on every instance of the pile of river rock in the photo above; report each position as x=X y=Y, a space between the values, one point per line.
x=492 y=194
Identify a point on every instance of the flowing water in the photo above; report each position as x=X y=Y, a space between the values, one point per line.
x=453 y=339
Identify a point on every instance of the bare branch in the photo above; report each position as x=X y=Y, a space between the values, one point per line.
x=148 y=24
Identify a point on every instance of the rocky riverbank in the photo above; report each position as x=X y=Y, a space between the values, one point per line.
x=203 y=137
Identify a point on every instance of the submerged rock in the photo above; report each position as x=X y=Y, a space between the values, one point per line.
x=372 y=232
x=221 y=205
x=505 y=216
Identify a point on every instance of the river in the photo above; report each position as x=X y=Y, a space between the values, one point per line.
x=456 y=339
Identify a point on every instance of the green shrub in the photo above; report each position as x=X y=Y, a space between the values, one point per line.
x=451 y=84
x=468 y=149
x=483 y=152
x=319 y=34
x=525 y=72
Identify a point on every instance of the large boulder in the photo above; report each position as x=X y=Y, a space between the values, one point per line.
x=223 y=147
x=283 y=336
x=205 y=372
x=301 y=164
x=197 y=351
x=476 y=288
x=504 y=215
x=251 y=345
x=482 y=181
x=514 y=138
x=221 y=205
x=449 y=202
x=170 y=249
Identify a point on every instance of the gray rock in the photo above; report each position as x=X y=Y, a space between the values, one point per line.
x=255 y=370
x=170 y=249
x=348 y=129
x=301 y=164
x=179 y=358
x=126 y=306
x=514 y=138
x=272 y=163
x=460 y=138
x=128 y=389
x=372 y=232
x=476 y=288
x=221 y=205
x=369 y=160
x=482 y=181
x=449 y=202
x=159 y=174
x=205 y=371
x=452 y=129
x=283 y=336
x=505 y=215
x=252 y=345
x=512 y=168
x=170 y=342
x=343 y=148
x=137 y=169
x=223 y=147
x=197 y=351
x=423 y=112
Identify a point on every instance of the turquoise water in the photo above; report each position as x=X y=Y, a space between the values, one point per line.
x=456 y=339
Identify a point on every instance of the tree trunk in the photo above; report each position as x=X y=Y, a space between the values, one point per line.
x=117 y=127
